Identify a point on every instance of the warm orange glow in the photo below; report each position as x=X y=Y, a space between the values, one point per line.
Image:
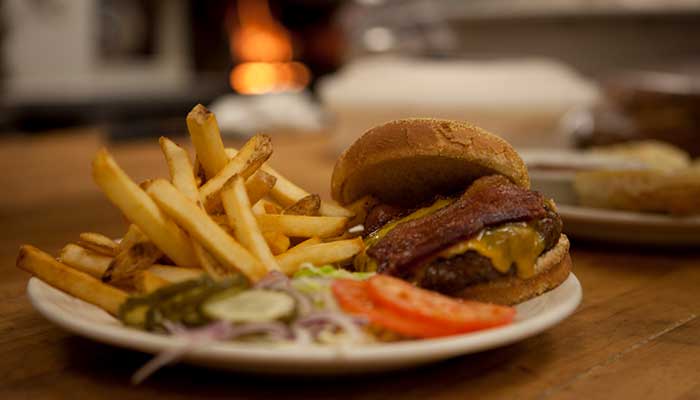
x=265 y=48
x=258 y=37
x=263 y=77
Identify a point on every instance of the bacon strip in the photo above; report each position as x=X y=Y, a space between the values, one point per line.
x=491 y=200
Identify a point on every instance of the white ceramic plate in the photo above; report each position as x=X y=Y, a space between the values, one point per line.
x=613 y=225
x=629 y=227
x=533 y=317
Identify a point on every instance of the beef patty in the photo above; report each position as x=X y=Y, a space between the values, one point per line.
x=451 y=275
x=489 y=201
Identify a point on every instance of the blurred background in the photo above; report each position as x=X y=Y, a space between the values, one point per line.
x=553 y=73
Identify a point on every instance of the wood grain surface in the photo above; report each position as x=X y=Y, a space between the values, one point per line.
x=636 y=334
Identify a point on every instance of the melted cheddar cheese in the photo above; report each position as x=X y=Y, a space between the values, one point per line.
x=506 y=245
x=509 y=244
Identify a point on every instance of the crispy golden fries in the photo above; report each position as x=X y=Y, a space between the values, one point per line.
x=199 y=175
x=135 y=253
x=182 y=177
x=307 y=242
x=69 y=280
x=140 y=209
x=334 y=210
x=159 y=276
x=175 y=274
x=269 y=207
x=309 y=205
x=205 y=135
x=181 y=172
x=183 y=222
x=278 y=242
x=220 y=219
x=287 y=193
x=302 y=225
x=208 y=263
x=246 y=229
x=319 y=254
x=360 y=208
x=252 y=155
x=147 y=282
x=259 y=185
x=84 y=260
x=199 y=225
x=130 y=261
x=98 y=243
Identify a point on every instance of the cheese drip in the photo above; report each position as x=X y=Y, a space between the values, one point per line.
x=513 y=243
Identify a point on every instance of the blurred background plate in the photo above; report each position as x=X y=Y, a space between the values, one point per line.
x=629 y=227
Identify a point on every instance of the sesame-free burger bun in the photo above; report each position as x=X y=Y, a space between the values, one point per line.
x=407 y=161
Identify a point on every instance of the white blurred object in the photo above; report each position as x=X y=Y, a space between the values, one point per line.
x=520 y=100
x=247 y=115
x=52 y=52
x=552 y=171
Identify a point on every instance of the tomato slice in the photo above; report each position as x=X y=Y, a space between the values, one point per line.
x=353 y=297
x=435 y=309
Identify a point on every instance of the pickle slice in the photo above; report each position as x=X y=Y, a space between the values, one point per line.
x=249 y=306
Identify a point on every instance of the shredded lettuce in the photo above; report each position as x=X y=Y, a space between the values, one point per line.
x=329 y=271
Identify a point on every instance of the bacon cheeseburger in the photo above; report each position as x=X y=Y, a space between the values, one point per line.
x=448 y=206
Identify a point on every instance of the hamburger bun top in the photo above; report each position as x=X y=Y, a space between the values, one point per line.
x=408 y=161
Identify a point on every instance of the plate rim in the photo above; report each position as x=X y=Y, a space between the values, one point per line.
x=233 y=354
x=621 y=216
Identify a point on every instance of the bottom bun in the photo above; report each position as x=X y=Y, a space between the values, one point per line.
x=552 y=268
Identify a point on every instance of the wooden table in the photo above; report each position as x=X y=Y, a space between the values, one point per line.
x=636 y=335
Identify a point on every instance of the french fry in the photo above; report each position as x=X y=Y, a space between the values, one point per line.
x=302 y=225
x=136 y=252
x=132 y=236
x=319 y=254
x=307 y=242
x=331 y=209
x=199 y=225
x=84 y=260
x=278 y=242
x=265 y=206
x=182 y=177
x=309 y=205
x=237 y=206
x=140 y=209
x=270 y=207
x=220 y=219
x=147 y=282
x=258 y=208
x=181 y=172
x=130 y=261
x=209 y=263
x=98 y=243
x=287 y=193
x=259 y=185
x=74 y=282
x=206 y=138
x=159 y=276
x=360 y=208
x=252 y=155
x=175 y=274
x=199 y=175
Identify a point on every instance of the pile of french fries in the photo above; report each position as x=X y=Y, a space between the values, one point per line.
x=228 y=213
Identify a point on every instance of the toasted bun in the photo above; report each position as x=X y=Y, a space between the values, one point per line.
x=552 y=268
x=407 y=161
